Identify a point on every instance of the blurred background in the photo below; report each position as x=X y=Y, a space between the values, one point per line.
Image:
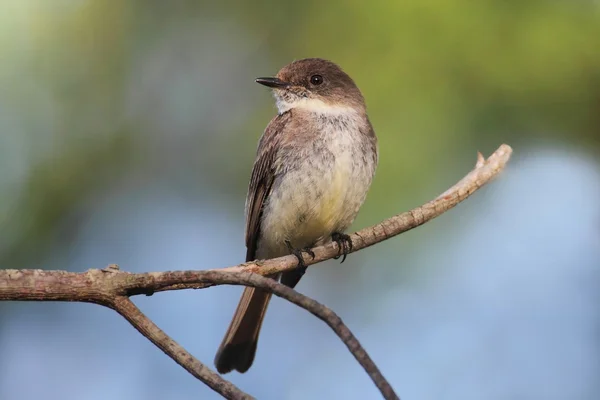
x=128 y=132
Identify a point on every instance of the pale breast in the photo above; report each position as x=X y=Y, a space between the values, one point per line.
x=322 y=189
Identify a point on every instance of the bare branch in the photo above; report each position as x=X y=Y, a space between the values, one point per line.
x=150 y=330
x=319 y=310
x=111 y=287
x=484 y=172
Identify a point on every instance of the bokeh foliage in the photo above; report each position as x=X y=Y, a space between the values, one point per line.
x=442 y=79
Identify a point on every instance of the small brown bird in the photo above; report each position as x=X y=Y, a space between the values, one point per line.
x=314 y=165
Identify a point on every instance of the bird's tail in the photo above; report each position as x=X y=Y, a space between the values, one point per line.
x=239 y=344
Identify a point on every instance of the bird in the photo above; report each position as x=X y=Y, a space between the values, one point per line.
x=314 y=165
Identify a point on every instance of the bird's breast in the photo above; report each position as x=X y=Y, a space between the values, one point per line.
x=325 y=184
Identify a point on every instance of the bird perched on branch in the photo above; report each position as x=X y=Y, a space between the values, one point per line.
x=314 y=165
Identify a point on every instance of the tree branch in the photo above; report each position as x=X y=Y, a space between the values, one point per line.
x=150 y=330
x=111 y=287
x=319 y=310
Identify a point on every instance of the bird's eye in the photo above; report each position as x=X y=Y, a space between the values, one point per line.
x=316 y=79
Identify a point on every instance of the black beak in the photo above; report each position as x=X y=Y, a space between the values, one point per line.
x=272 y=82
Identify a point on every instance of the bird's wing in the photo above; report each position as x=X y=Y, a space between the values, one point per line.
x=261 y=182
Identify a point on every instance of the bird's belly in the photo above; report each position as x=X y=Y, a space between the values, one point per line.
x=310 y=203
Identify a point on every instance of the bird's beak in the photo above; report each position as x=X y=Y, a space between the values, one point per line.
x=272 y=82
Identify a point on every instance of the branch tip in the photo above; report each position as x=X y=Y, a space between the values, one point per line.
x=480 y=160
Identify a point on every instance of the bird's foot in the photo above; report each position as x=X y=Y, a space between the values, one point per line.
x=344 y=243
x=301 y=268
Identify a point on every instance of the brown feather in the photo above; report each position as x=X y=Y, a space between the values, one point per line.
x=239 y=344
x=261 y=180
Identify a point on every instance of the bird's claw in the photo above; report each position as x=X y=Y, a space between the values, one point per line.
x=301 y=268
x=344 y=243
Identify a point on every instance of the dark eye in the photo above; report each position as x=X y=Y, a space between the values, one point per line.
x=316 y=79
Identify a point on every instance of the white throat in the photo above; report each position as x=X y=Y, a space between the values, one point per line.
x=314 y=105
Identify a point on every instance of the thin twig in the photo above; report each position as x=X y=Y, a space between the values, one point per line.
x=150 y=330
x=319 y=310
x=111 y=287
x=484 y=172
